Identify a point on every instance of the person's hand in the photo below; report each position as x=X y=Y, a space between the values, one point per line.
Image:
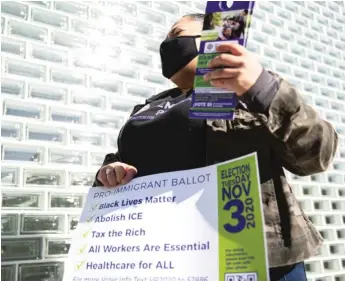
x=116 y=173
x=237 y=71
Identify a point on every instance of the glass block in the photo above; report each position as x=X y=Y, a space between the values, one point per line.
x=126 y=39
x=12 y=153
x=122 y=104
x=341 y=96
x=43 y=178
x=93 y=59
x=155 y=78
x=67 y=77
x=36 y=224
x=12 y=46
x=81 y=179
x=72 y=222
x=8 y=272
x=12 y=87
x=9 y=176
x=9 y=224
x=341 y=234
x=15 y=9
x=97 y=159
x=25 y=69
x=141 y=58
x=27 y=30
x=140 y=91
x=106 y=122
x=49 y=18
x=111 y=26
x=160 y=33
x=113 y=141
x=66 y=157
x=20 y=110
x=301 y=74
x=329 y=61
x=74 y=8
x=277 y=22
x=57 y=200
x=11 y=130
x=57 y=247
x=139 y=27
x=341 y=47
x=148 y=45
x=150 y=16
x=67 y=116
x=127 y=72
x=21 y=249
x=200 y=5
x=52 y=271
x=49 y=54
x=24 y=201
x=46 y=4
x=79 y=138
x=68 y=40
x=106 y=84
x=45 y=134
x=149 y=3
x=97 y=13
x=87 y=28
x=166 y=7
x=3 y=21
x=43 y=92
x=122 y=7
x=85 y=100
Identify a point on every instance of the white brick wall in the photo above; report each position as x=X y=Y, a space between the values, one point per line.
x=64 y=97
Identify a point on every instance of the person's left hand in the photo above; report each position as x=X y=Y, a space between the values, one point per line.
x=240 y=71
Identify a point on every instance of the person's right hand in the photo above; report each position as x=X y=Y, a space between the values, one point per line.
x=116 y=173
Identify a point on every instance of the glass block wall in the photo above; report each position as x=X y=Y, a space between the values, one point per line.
x=72 y=71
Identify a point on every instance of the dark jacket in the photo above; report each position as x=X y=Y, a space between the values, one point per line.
x=272 y=120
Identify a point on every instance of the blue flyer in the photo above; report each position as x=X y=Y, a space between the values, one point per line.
x=225 y=21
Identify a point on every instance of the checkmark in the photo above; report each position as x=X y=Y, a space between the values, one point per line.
x=88 y=220
x=79 y=265
x=82 y=249
x=85 y=234
x=95 y=206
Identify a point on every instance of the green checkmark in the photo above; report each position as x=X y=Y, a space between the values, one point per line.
x=88 y=220
x=85 y=234
x=82 y=249
x=79 y=265
x=95 y=206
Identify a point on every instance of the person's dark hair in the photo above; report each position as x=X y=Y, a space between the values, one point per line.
x=198 y=17
x=246 y=11
x=205 y=19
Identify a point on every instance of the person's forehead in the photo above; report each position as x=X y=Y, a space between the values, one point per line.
x=182 y=21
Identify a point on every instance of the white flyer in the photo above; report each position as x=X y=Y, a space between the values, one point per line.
x=203 y=224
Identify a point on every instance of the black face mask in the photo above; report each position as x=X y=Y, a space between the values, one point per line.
x=176 y=53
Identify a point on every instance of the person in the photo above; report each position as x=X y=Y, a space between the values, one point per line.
x=242 y=15
x=225 y=33
x=271 y=119
x=241 y=20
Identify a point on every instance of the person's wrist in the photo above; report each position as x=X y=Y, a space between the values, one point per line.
x=261 y=94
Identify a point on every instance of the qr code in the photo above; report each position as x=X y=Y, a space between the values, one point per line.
x=252 y=276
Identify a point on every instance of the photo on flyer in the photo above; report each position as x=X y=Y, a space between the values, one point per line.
x=225 y=26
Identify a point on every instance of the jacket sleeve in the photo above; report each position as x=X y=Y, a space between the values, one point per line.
x=109 y=158
x=305 y=143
